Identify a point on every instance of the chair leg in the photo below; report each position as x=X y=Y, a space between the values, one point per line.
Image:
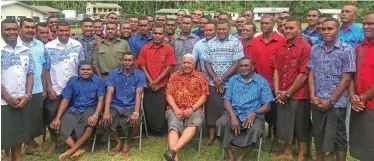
x=108 y=142
x=140 y=135
x=201 y=135
x=223 y=154
x=145 y=126
x=94 y=142
x=259 y=149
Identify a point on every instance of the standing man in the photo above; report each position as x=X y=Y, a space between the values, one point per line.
x=63 y=56
x=17 y=68
x=180 y=15
x=196 y=15
x=184 y=42
x=240 y=21
x=361 y=93
x=200 y=32
x=134 y=24
x=320 y=21
x=52 y=24
x=262 y=51
x=42 y=32
x=249 y=15
x=112 y=17
x=161 y=19
x=331 y=64
x=125 y=31
x=156 y=59
x=350 y=33
x=225 y=16
x=87 y=38
x=310 y=33
x=291 y=88
x=143 y=37
x=220 y=57
x=123 y=100
x=171 y=26
x=34 y=114
x=281 y=21
x=199 y=47
x=216 y=15
x=151 y=21
x=109 y=53
x=98 y=27
x=247 y=34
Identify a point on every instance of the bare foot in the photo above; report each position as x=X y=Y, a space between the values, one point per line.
x=52 y=148
x=312 y=156
x=31 y=150
x=66 y=154
x=77 y=154
x=207 y=143
x=7 y=158
x=231 y=158
x=301 y=158
x=331 y=156
x=282 y=156
x=126 y=150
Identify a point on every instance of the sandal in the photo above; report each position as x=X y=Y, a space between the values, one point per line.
x=114 y=151
x=169 y=155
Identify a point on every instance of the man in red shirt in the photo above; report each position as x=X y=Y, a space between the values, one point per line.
x=361 y=91
x=247 y=34
x=262 y=51
x=290 y=85
x=156 y=59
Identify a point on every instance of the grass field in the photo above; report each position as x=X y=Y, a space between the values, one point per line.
x=152 y=150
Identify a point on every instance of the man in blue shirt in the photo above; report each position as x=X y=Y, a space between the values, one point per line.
x=247 y=99
x=200 y=32
x=123 y=99
x=78 y=113
x=87 y=38
x=143 y=37
x=310 y=33
x=350 y=33
x=199 y=47
x=331 y=64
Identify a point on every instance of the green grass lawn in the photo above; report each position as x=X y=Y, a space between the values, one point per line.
x=152 y=150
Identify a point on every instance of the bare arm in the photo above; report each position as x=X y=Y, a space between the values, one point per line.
x=233 y=69
x=108 y=98
x=199 y=103
x=171 y=102
x=312 y=87
x=228 y=106
x=138 y=99
x=4 y=94
x=99 y=106
x=61 y=109
x=369 y=94
x=343 y=84
x=276 y=80
x=147 y=75
x=29 y=83
x=164 y=73
x=263 y=109
x=299 y=82
x=209 y=70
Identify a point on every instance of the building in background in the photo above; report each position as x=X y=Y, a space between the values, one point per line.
x=171 y=13
x=333 y=12
x=50 y=10
x=18 y=11
x=260 y=11
x=100 y=10
x=233 y=15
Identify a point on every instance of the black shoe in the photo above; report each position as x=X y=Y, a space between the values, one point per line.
x=169 y=155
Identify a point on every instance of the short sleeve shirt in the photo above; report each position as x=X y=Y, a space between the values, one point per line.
x=247 y=97
x=315 y=36
x=62 y=61
x=353 y=36
x=182 y=47
x=187 y=89
x=88 y=45
x=222 y=55
x=83 y=93
x=138 y=41
x=16 y=63
x=125 y=87
x=290 y=60
x=156 y=59
x=328 y=67
x=197 y=52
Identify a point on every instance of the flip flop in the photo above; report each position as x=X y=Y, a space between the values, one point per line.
x=114 y=151
x=169 y=155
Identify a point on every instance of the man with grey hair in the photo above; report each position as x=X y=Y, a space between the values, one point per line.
x=186 y=93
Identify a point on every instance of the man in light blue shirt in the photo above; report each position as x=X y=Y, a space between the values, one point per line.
x=350 y=33
x=34 y=114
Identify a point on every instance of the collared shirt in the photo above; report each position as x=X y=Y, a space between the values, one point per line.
x=328 y=67
x=353 y=36
x=182 y=47
x=197 y=52
x=37 y=52
x=16 y=63
x=187 y=89
x=156 y=59
x=125 y=38
x=138 y=41
x=262 y=53
x=247 y=97
x=222 y=55
x=247 y=47
x=83 y=93
x=62 y=60
x=87 y=44
x=314 y=36
x=125 y=87
x=51 y=36
x=109 y=57
x=199 y=34
x=290 y=60
x=235 y=33
x=365 y=69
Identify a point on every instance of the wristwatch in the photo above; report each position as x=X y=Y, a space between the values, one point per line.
x=29 y=96
x=332 y=102
x=288 y=95
x=256 y=112
x=193 y=109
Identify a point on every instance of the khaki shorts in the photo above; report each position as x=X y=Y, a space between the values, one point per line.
x=196 y=119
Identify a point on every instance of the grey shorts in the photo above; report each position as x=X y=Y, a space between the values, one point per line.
x=196 y=119
x=120 y=119
x=74 y=121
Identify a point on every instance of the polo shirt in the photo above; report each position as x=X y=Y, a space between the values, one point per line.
x=328 y=66
x=290 y=60
x=83 y=93
x=138 y=41
x=183 y=47
x=156 y=59
x=222 y=55
x=365 y=69
x=247 y=47
x=87 y=44
x=247 y=97
x=16 y=63
x=199 y=34
x=262 y=53
x=125 y=87
x=314 y=35
x=353 y=36
x=62 y=61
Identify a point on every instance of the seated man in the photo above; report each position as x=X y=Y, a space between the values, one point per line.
x=186 y=93
x=123 y=99
x=83 y=97
x=247 y=99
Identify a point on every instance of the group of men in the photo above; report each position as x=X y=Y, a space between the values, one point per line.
x=186 y=70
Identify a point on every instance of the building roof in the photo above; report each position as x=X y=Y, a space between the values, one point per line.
x=269 y=10
x=8 y=3
x=170 y=10
x=104 y=5
x=47 y=9
x=330 y=11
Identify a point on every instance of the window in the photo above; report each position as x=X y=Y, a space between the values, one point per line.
x=11 y=17
x=110 y=10
x=94 y=10
x=36 y=19
x=20 y=18
x=105 y=10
